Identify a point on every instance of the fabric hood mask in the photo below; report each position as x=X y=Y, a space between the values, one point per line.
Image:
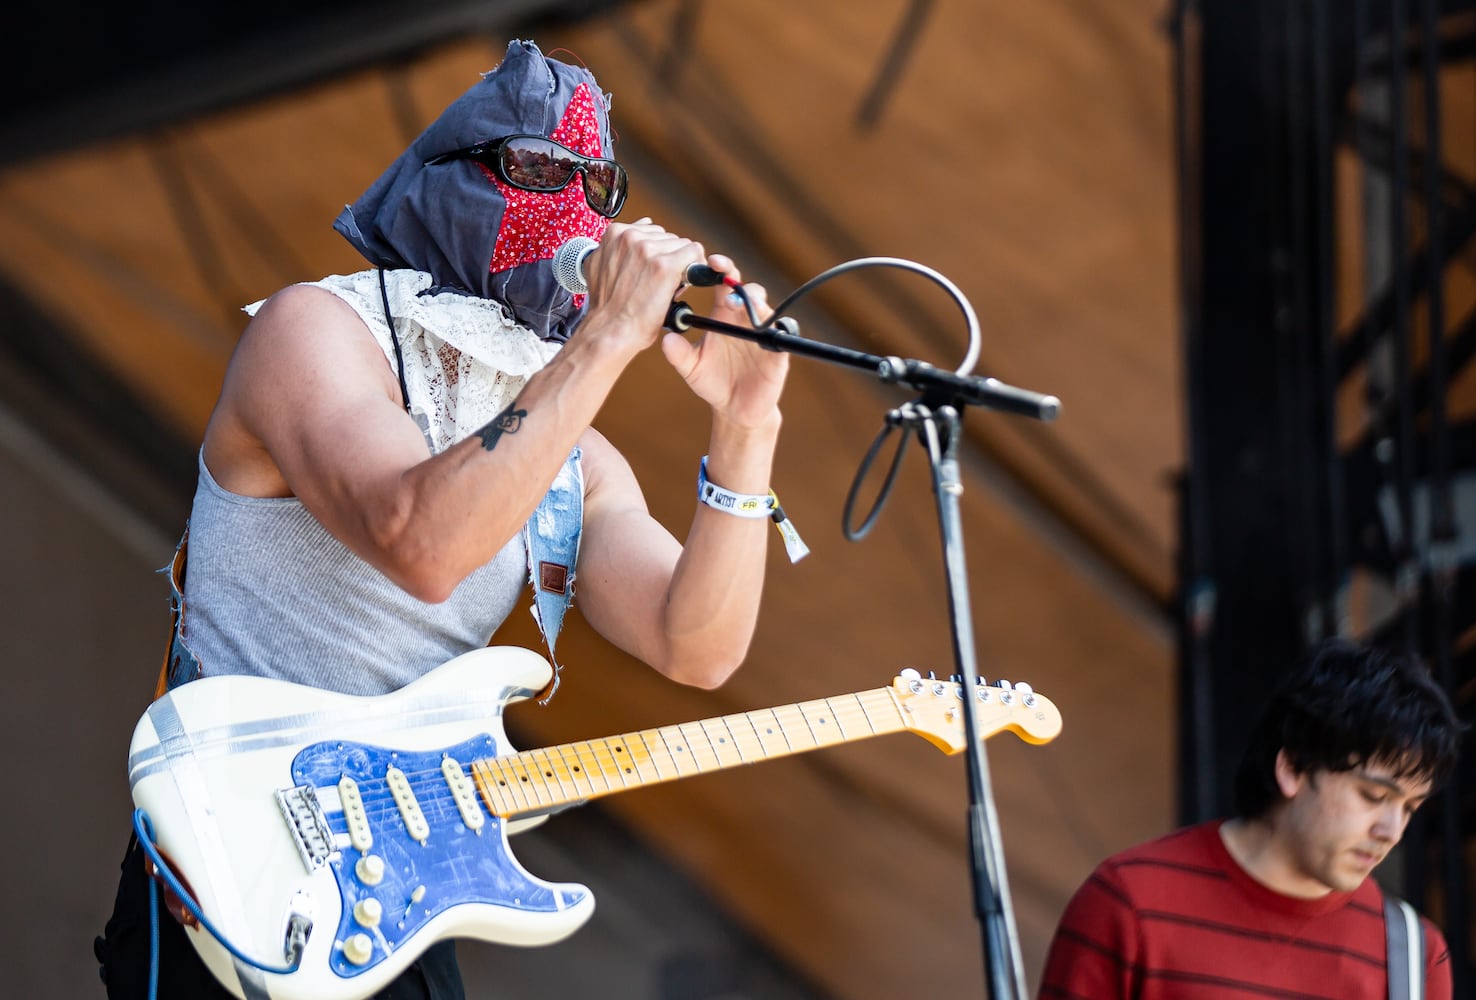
x=462 y=224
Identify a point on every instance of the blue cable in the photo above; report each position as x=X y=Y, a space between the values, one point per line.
x=153 y=936
x=145 y=831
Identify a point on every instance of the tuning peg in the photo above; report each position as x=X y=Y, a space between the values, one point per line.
x=909 y=674
x=1024 y=689
x=932 y=676
x=1002 y=684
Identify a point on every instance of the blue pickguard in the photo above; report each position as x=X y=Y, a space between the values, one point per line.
x=455 y=865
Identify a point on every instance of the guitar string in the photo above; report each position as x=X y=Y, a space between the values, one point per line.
x=533 y=789
x=379 y=801
x=376 y=791
x=526 y=756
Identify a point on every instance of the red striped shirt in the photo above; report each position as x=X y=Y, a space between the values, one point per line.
x=1178 y=917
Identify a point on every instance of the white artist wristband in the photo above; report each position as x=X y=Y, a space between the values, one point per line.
x=751 y=505
x=738 y=504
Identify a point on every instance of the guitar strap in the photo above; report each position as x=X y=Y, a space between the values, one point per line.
x=180 y=663
x=253 y=983
x=552 y=542
x=1405 y=950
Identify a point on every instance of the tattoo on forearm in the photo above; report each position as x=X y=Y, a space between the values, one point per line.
x=506 y=422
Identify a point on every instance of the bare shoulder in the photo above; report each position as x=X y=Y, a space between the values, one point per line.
x=301 y=322
x=305 y=354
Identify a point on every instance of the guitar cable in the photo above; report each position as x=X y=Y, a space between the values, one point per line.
x=145 y=830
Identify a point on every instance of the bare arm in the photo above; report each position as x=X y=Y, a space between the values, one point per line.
x=310 y=408
x=689 y=610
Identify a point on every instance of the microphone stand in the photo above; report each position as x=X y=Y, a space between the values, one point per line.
x=936 y=419
x=783 y=335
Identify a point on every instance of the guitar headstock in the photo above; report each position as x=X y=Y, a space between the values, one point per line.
x=934 y=710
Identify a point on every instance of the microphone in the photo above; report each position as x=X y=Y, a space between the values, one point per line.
x=568 y=265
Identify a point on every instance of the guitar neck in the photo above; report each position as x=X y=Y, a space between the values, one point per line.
x=550 y=778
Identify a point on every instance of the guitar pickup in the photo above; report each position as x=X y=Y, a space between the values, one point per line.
x=309 y=826
x=463 y=794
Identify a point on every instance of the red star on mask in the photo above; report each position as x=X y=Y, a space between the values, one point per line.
x=535 y=224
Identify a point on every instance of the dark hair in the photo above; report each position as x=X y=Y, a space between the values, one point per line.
x=1344 y=705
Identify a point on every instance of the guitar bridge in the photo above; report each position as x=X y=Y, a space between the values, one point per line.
x=309 y=826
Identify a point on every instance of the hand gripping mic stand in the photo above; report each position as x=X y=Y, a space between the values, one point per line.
x=936 y=418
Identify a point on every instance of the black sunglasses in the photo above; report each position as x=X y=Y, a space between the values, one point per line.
x=535 y=163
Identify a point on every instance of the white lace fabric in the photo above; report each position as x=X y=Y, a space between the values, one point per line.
x=466 y=358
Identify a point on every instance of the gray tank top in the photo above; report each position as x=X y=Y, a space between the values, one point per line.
x=270 y=592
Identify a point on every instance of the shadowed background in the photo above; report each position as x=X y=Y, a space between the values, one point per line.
x=1026 y=151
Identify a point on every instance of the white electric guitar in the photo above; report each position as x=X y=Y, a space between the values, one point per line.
x=353 y=833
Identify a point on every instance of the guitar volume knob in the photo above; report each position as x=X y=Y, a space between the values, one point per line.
x=359 y=948
x=370 y=869
x=368 y=911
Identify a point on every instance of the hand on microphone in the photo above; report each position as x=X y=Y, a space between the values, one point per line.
x=740 y=380
x=568 y=264
x=631 y=276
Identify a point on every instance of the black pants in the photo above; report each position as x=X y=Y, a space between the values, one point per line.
x=123 y=951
